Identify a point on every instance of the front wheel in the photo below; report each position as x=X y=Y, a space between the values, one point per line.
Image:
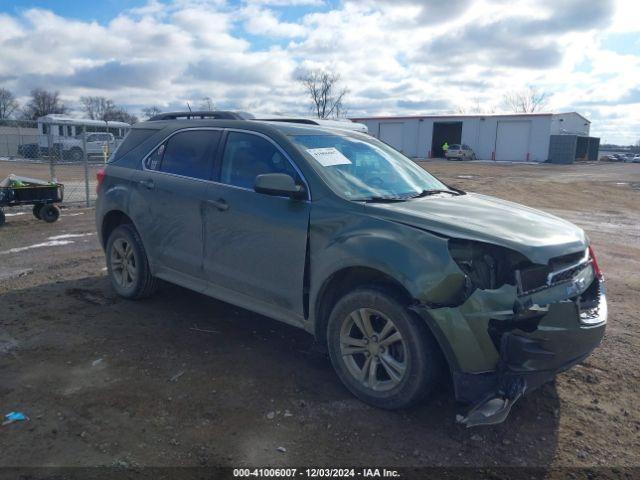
x=382 y=353
x=127 y=264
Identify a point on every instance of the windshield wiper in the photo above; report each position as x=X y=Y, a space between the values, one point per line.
x=384 y=199
x=426 y=193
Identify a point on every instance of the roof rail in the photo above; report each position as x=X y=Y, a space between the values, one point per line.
x=220 y=115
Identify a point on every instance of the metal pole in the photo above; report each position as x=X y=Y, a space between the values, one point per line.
x=86 y=165
x=52 y=167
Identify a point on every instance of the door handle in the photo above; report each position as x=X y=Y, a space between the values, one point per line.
x=220 y=204
x=148 y=184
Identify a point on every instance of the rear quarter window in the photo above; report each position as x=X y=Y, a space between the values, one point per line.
x=134 y=138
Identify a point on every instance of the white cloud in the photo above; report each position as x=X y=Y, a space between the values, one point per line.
x=395 y=56
x=262 y=21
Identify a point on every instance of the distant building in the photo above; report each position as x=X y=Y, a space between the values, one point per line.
x=533 y=137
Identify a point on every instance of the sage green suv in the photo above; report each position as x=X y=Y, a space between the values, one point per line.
x=404 y=278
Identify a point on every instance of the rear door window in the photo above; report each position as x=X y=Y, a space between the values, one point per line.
x=246 y=156
x=188 y=153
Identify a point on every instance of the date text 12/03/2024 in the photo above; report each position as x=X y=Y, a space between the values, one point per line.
x=316 y=472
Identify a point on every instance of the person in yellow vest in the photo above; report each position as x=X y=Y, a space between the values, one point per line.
x=445 y=148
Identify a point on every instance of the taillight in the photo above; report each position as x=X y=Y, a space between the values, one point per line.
x=100 y=178
x=594 y=262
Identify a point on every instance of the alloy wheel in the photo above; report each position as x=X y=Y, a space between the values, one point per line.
x=123 y=263
x=373 y=349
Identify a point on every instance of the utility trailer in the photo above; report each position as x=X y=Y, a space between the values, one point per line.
x=44 y=196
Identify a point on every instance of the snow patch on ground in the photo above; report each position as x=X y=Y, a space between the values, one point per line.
x=7 y=274
x=14 y=214
x=70 y=235
x=52 y=243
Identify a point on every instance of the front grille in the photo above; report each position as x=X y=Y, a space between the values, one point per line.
x=538 y=277
x=533 y=278
x=566 y=275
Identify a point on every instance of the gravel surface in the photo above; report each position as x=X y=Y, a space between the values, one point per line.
x=182 y=379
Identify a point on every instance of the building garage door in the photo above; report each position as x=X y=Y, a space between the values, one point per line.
x=391 y=133
x=512 y=140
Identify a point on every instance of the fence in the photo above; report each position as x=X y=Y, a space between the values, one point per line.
x=68 y=152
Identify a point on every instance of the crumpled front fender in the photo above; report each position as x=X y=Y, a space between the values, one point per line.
x=498 y=332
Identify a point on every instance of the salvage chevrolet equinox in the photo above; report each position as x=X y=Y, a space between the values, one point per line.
x=404 y=278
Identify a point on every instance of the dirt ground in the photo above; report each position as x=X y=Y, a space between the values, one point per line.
x=182 y=379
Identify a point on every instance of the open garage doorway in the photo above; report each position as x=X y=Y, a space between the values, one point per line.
x=450 y=132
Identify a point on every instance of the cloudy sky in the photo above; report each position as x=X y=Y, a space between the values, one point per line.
x=395 y=56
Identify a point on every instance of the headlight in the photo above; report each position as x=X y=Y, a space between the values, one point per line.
x=487 y=266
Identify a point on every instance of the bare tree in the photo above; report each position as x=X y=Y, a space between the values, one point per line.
x=325 y=92
x=96 y=107
x=476 y=108
x=8 y=103
x=151 y=111
x=119 y=114
x=207 y=104
x=526 y=101
x=43 y=103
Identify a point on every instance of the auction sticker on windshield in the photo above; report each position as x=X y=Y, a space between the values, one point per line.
x=328 y=157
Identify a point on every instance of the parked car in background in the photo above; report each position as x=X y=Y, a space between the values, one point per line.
x=460 y=152
x=403 y=278
x=98 y=144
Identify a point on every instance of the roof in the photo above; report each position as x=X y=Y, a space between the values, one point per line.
x=67 y=120
x=465 y=115
x=285 y=128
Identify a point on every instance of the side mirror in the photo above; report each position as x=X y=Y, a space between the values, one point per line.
x=278 y=184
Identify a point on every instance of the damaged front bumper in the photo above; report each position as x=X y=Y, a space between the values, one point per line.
x=501 y=345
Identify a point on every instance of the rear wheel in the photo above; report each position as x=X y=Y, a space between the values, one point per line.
x=36 y=210
x=49 y=213
x=382 y=353
x=75 y=154
x=127 y=264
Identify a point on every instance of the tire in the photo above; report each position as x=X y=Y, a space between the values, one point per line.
x=126 y=251
x=36 y=210
x=2 y=218
x=75 y=154
x=414 y=359
x=49 y=213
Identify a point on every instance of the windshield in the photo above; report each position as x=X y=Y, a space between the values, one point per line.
x=363 y=168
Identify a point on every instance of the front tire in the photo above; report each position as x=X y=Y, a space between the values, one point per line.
x=127 y=264
x=382 y=353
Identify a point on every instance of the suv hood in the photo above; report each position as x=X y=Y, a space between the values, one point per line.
x=537 y=235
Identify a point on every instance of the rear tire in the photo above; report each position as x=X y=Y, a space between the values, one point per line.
x=75 y=154
x=36 y=210
x=49 y=213
x=127 y=264
x=396 y=363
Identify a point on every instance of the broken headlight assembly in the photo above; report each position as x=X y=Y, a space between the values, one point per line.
x=485 y=266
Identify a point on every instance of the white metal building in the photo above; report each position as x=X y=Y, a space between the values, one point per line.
x=512 y=137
